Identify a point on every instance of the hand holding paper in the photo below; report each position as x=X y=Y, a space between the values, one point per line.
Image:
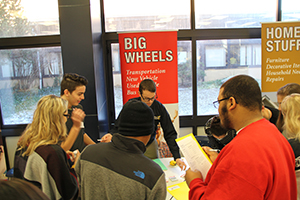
x=191 y=175
x=195 y=156
x=211 y=153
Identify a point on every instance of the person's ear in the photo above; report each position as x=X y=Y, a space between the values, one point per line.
x=232 y=102
x=66 y=92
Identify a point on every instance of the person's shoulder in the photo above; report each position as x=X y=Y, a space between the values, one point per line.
x=294 y=143
x=92 y=149
x=49 y=149
x=157 y=104
x=152 y=165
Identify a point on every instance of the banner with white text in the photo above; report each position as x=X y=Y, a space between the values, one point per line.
x=151 y=55
x=280 y=43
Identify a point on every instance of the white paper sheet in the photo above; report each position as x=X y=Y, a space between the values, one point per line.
x=194 y=154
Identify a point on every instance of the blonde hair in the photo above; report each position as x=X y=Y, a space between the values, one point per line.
x=48 y=125
x=291 y=112
x=285 y=90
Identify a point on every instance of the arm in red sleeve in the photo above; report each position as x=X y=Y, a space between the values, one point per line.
x=197 y=189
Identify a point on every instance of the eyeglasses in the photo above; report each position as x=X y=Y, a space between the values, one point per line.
x=66 y=115
x=216 y=103
x=149 y=99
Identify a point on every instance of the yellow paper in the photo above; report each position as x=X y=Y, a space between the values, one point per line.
x=194 y=154
x=179 y=191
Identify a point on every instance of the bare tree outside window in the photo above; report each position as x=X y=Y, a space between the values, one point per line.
x=25 y=74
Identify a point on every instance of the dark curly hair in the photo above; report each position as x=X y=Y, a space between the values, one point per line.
x=71 y=81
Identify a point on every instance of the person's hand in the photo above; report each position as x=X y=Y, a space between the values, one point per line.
x=181 y=163
x=106 y=138
x=76 y=158
x=211 y=154
x=77 y=117
x=71 y=155
x=191 y=175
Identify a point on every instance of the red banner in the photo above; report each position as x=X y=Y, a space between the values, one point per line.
x=149 y=55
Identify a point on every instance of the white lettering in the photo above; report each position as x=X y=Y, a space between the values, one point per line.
x=278 y=32
x=154 y=56
x=129 y=57
x=270 y=33
x=139 y=57
x=287 y=32
x=169 y=55
x=127 y=43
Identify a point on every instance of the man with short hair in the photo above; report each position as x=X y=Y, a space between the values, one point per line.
x=73 y=87
x=258 y=163
x=147 y=93
x=119 y=169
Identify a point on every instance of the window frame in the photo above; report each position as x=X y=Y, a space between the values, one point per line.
x=23 y=43
x=192 y=35
x=107 y=38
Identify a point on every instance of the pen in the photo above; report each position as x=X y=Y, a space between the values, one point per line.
x=216 y=150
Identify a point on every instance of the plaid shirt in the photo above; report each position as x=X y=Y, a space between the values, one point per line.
x=164 y=150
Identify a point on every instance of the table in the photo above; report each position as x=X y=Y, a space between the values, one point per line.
x=172 y=171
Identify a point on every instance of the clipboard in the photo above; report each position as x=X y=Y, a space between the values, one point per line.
x=195 y=156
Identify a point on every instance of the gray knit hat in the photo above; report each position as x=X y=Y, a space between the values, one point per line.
x=136 y=119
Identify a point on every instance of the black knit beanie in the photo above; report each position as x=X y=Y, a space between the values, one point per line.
x=136 y=119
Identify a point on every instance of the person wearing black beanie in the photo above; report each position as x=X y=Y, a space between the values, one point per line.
x=121 y=168
x=136 y=119
x=148 y=95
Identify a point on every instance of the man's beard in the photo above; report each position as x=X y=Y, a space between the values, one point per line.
x=225 y=121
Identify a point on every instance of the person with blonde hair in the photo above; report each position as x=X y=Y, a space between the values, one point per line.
x=39 y=157
x=291 y=114
x=284 y=91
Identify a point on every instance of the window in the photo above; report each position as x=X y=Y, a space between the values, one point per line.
x=185 y=92
x=219 y=60
x=27 y=75
x=135 y=15
x=223 y=40
x=28 y=18
x=215 y=56
x=233 y=13
x=118 y=95
x=290 y=10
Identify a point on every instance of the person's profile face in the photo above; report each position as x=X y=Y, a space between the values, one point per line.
x=223 y=112
x=225 y=121
x=147 y=97
x=77 y=95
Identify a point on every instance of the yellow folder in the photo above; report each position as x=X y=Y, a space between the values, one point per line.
x=179 y=191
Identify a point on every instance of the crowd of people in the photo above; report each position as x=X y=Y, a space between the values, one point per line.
x=56 y=158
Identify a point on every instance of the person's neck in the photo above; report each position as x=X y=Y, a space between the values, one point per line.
x=65 y=98
x=246 y=118
x=143 y=139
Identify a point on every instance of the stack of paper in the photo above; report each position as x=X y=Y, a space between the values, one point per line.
x=195 y=156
